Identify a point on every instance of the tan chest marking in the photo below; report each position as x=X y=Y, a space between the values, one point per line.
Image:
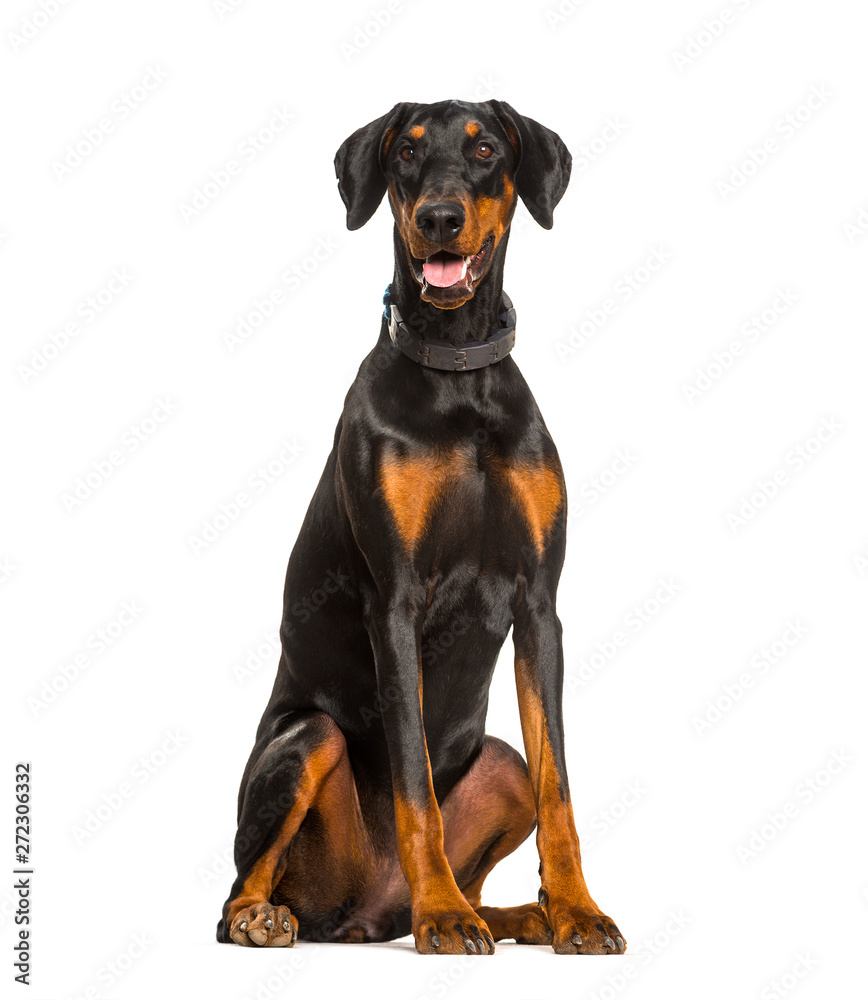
x=537 y=489
x=412 y=484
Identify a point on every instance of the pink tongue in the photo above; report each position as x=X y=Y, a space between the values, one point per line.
x=442 y=271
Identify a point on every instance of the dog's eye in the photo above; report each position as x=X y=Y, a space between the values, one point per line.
x=407 y=153
x=483 y=151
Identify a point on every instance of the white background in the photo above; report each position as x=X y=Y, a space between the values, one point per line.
x=668 y=814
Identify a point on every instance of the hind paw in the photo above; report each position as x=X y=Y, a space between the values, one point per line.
x=264 y=926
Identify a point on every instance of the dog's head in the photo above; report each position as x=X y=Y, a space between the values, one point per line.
x=453 y=171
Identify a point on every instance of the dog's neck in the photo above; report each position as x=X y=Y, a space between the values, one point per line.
x=473 y=321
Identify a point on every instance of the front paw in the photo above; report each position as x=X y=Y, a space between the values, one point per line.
x=454 y=931
x=581 y=931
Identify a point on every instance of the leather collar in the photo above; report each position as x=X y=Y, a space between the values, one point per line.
x=445 y=356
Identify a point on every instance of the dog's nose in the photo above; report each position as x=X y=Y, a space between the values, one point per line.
x=440 y=221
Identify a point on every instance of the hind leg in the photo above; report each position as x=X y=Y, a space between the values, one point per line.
x=525 y=924
x=486 y=816
x=299 y=768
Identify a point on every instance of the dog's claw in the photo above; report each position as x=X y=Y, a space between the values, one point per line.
x=435 y=940
x=620 y=943
x=609 y=943
x=543 y=898
x=577 y=940
x=269 y=924
x=243 y=925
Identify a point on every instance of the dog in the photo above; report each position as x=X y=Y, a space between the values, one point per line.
x=373 y=804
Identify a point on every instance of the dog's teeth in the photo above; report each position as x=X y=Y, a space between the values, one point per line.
x=465 y=266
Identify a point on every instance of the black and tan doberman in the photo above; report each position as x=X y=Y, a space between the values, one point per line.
x=373 y=804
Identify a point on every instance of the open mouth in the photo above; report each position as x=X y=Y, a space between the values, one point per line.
x=444 y=273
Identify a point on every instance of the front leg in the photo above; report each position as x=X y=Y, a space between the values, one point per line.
x=578 y=924
x=443 y=922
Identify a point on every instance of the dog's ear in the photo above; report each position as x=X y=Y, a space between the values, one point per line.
x=359 y=166
x=542 y=162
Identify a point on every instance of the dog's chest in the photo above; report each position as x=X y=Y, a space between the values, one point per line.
x=470 y=491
